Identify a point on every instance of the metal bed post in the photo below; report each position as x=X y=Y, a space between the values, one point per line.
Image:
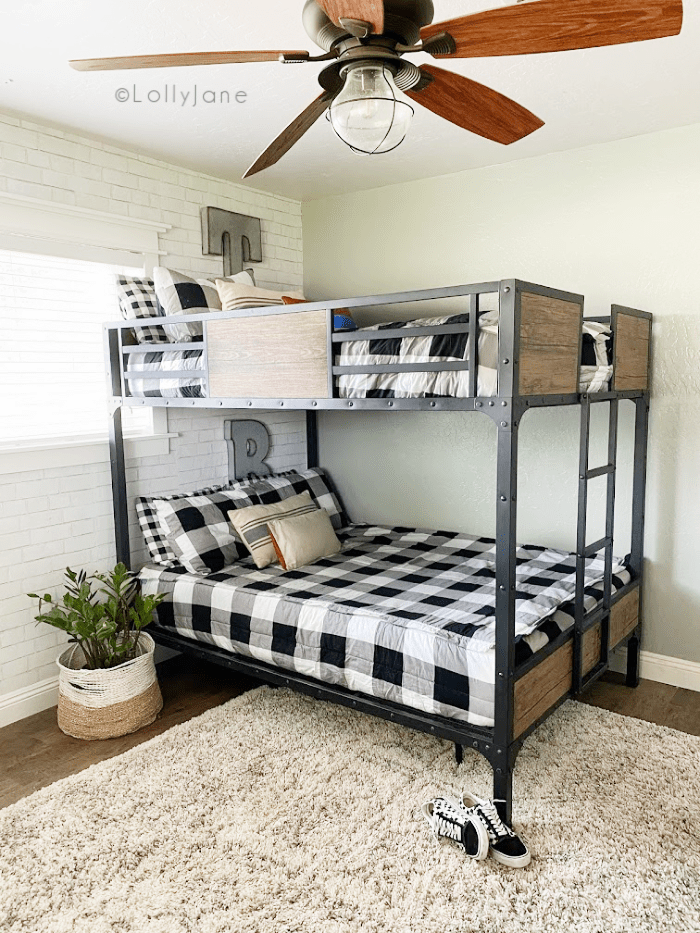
x=641 y=430
x=579 y=610
x=611 y=466
x=504 y=413
x=116 y=390
x=311 y=439
x=121 y=513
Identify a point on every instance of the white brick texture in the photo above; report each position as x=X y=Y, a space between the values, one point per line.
x=54 y=517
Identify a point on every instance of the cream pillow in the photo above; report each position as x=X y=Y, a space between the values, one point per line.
x=180 y=295
x=251 y=524
x=235 y=296
x=303 y=539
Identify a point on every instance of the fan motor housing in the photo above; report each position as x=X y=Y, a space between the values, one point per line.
x=403 y=20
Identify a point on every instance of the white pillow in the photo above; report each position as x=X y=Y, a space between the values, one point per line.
x=303 y=539
x=251 y=524
x=180 y=295
x=235 y=296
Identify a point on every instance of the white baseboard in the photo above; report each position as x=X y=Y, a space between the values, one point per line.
x=29 y=700
x=661 y=668
x=674 y=671
x=35 y=699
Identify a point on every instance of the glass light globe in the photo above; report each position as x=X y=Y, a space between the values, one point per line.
x=367 y=114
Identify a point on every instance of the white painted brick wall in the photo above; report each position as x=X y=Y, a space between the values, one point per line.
x=54 y=517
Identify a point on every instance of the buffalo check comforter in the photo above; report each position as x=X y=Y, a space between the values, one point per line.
x=401 y=614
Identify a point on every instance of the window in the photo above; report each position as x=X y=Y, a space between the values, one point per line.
x=52 y=366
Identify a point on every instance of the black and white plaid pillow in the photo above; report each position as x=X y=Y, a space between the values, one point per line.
x=153 y=533
x=199 y=531
x=278 y=486
x=137 y=301
x=180 y=295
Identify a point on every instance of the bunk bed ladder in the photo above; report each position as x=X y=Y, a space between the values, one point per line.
x=599 y=616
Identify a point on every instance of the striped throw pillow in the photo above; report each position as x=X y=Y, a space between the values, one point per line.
x=251 y=525
x=235 y=297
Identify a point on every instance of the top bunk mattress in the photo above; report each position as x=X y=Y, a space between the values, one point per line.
x=149 y=373
x=594 y=376
x=401 y=614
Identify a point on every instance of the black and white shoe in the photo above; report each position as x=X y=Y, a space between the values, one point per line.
x=453 y=822
x=505 y=846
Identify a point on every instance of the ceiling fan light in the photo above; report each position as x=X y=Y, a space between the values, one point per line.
x=367 y=114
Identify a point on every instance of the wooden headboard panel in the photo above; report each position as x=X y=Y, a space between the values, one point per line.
x=632 y=348
x=550 y=344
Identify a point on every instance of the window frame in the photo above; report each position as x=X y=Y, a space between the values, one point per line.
x=31 y=225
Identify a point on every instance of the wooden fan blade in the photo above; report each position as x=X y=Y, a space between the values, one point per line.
x=293 y=133
x=474 y=106
x=177 y=60
x=558 y=26
x=367 y=11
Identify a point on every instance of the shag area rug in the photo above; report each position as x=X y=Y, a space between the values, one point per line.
x=280 y=814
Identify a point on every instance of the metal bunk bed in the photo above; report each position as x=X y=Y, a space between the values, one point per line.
x=539 y=336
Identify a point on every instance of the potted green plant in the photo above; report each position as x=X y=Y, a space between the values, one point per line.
x=107 y=679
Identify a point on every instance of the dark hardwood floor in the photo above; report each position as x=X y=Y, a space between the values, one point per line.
x=34 y=752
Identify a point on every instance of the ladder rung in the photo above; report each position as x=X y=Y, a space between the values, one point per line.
x=595 y=547
x=601 y=471
x=593 y=617
x=593 y=675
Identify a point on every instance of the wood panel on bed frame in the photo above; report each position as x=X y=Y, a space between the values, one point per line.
x=276 y=357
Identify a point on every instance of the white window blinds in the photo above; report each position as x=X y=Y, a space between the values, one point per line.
x=52 y=367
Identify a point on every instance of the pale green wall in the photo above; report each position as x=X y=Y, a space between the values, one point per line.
x=617 y=223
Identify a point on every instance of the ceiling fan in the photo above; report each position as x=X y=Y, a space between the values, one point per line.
x=365 y=41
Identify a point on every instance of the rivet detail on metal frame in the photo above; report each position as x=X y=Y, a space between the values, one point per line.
x=506 y=288
x=505 y=362
x=504 y=404
x=503 y=499
x=504 y=424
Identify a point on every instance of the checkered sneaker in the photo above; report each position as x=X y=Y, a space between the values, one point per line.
x=137 y=301
x=505 y=846
x=453 y=823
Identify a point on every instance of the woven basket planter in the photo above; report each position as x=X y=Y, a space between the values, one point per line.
x=103 y=704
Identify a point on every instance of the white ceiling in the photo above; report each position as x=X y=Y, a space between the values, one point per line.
x=585 y=97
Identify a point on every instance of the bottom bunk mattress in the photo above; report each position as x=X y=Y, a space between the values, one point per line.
x=400 y=614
